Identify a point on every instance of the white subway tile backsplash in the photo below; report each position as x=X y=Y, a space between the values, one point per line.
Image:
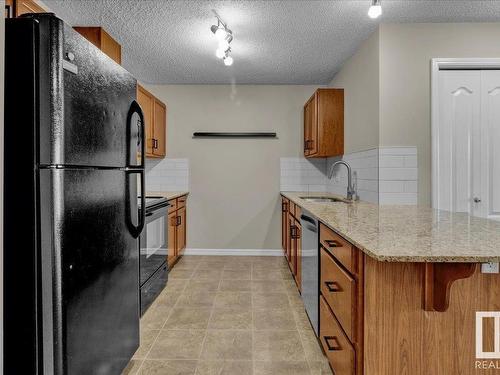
x=398 y=174
x=411 y=186
x=397 y=198
x=167 y=175
x=385 y=175
x=411 y=161
x=397 y=151
x=392 y=186
x=391 y=161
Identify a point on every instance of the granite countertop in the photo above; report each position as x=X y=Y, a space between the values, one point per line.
x=407 y=233
x=168 y=194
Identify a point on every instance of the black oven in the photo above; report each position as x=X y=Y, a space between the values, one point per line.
x=153 y=251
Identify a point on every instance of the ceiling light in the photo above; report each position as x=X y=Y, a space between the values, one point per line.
x=225 y=37
x=220 y=53
x=220 y=33
x=228 y=61
x=375 y=9
x=223 y=44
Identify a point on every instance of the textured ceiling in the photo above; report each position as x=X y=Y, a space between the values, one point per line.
x=275 y=42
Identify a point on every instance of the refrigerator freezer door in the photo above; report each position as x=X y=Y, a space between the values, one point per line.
x=93 y=260
x=85 y=98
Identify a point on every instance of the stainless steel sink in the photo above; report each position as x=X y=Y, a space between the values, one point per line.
x=324 y=199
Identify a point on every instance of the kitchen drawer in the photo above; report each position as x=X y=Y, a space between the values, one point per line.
x=298 y=212
x=339 y=290
x=338 y=349
x=181 y=201
x=341 y=249
x=173 y=205
x=291 y=208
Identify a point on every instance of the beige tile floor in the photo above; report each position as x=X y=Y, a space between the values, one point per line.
x=228 y=315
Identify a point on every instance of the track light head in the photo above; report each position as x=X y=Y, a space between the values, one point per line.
x=228 y=61
x=375 y=9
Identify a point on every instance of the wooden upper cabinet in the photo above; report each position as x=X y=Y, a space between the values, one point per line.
x=146 y=101
x=324 y=124
x=25 y=6
x=159 y=128
x=102 y=40
x=155 y=116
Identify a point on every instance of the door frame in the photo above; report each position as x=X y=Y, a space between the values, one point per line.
x=438 y=64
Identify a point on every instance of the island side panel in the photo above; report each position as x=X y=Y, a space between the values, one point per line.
x=394 y=321
x=402 y=338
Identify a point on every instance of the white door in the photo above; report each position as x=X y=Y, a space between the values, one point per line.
x=468 y=163
x=489 y=194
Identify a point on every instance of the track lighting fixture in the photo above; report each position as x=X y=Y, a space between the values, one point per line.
x=375 y=9
x=225 y=36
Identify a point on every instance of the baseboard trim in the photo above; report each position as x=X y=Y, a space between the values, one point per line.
x=236 y=252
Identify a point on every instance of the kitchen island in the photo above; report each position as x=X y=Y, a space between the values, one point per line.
x=400 y=287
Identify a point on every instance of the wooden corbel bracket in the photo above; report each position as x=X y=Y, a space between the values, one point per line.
x=438 y=279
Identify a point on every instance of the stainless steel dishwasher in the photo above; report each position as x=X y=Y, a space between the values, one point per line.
x=310 y=267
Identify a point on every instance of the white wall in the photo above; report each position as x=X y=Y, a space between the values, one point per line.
x=359 y=77
x=387 y=85
x=234 y=200
x=405 y=54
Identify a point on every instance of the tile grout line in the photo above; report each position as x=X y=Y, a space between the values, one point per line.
x=206 y=330
x=161 y=329
x=253 y=325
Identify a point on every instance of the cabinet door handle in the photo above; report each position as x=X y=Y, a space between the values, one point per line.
x=296 y=233
x=333 y=243
x=179 y=220
x=284 y=207
x=333 y=286
x=336 y=342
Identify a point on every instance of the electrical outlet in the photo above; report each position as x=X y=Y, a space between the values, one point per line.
x=490 y=267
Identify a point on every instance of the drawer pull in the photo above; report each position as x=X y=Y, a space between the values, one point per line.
x=337 y=346
x=333 y=243
x=333 y=286
x=284 y=207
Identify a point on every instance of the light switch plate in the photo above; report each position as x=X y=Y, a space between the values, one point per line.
x=489 y=267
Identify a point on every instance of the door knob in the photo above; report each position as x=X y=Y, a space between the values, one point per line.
x=477 y=200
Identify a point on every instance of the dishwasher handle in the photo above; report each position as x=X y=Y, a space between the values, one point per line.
x=307 y=218
x=312 y=224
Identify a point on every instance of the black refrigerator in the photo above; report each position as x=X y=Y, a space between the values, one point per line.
x=74 y=167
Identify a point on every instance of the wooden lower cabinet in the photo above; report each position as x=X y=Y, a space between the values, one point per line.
x=181 y=232
x=335 y=343
x=176 y=229
x=172 y=234
x=284 y=224
x=291 y=232
x=341 y=303
x=373 y=319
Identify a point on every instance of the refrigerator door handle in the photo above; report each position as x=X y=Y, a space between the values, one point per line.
x=136 y=230
x=136 y=108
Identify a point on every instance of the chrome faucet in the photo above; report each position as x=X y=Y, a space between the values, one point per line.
x=351 y=193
